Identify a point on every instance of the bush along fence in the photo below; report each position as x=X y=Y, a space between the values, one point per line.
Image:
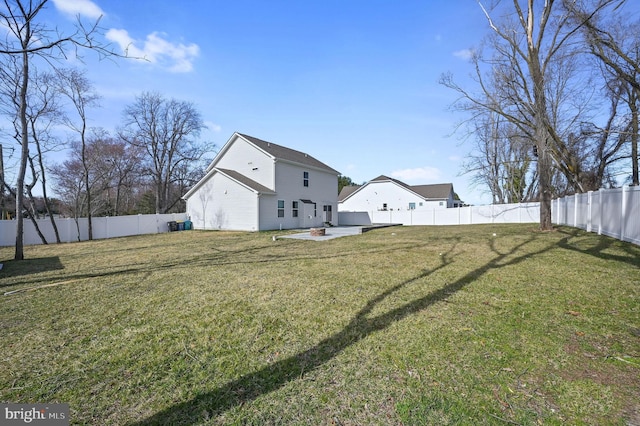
x=103 y=227
x=611 y=212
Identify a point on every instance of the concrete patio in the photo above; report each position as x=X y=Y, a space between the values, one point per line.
x=335 y=232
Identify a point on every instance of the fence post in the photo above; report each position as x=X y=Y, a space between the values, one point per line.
x=589 y=200
x=519 y=212
x=600 y=192
x=623 y=211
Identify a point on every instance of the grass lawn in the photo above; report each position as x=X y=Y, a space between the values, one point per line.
x=403 y=325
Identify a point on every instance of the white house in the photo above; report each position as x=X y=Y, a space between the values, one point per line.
x=384 y=193
x=254 y=185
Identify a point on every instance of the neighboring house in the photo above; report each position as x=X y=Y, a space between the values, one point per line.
x=385 y=193
x=254 y=185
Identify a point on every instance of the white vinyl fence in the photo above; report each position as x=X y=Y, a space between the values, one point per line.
x=612 y=212
x=103 y=227
x=495 y=213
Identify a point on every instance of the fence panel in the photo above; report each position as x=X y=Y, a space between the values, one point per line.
x=507 y=213
x=611 y=205
x=581 y=211
x=612 y=212
x=103 y=227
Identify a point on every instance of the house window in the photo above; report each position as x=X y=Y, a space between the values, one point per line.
x=280 y=208
x=315 y=210
x=294 y=209
x=305 y=178
x=412 y=206
x=441 y=203
x=420 y=204
x=384 y=206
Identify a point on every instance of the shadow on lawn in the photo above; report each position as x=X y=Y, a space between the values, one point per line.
x=217 y=256
x=599 y=250
x=278 y=374
x=13 y=268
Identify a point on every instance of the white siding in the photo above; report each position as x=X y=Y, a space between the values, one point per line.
x=222 y=203
x=322 y=190
x=374 y=195
x=249 y=161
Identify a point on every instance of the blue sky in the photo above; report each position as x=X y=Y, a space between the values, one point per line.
x=353 y=83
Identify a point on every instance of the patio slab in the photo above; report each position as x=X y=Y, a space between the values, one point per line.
x=335 y=232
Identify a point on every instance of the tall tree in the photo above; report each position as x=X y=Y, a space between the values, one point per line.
x=531 y=47
x=117 y=170
x=501 y=159
x=167 y=130
x=74 y=85
x=615 y=42
x=29 y=37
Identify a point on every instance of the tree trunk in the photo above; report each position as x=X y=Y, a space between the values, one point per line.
x=19 y=252
x=633 y=105
x=86 y=181
x=540 y=122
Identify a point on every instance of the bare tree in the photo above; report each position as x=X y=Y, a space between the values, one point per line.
x=532 y=48
x=167 y=130
x=501 y=160
x=42 y=115
x=117 y=166
x=74 y=85
x=616 y=44
x=69 y=184
x=29 y=37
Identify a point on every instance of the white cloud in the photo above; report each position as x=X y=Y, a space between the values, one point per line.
x=176 y=57
x=421 y=174
x=465 y=54
x=216 y=128
x=85 y=8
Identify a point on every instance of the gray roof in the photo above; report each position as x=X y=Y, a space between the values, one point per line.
x=288 y=154
x=246 y=181
x=347 y=190
x=439 y=191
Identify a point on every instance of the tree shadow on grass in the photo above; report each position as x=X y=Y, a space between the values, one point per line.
x=274 y=376
x=14 y=268
x=217 y=257
x=602 y=248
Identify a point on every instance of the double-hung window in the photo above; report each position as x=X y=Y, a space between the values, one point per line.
x=305 y=179
x=294 y=209
x=280 y=208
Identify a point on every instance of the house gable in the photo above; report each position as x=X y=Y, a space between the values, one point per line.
x=385 y=193
x=264 y=176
